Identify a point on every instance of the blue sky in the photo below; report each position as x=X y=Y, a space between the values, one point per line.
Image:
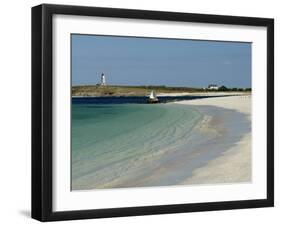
x=152 y=61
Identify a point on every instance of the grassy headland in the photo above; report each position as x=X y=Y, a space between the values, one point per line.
x=109 y=90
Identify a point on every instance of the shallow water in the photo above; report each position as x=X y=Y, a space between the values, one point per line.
x=109 y=141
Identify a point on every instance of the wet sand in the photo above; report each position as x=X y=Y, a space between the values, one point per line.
x=234 y=165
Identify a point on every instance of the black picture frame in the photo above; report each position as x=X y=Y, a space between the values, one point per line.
x=42 y=111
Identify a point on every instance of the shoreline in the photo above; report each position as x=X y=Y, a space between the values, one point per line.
x=234 y=165
x=207 y=94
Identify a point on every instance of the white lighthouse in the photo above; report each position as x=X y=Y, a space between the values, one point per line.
x=102 y=80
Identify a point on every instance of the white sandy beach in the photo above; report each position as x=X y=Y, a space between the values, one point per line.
x=235 y=164
x=202 y=94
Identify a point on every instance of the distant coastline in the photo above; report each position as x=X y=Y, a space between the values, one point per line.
x=99 y=91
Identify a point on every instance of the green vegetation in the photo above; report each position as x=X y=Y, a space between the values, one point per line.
x=224 y=88
x=98 y=90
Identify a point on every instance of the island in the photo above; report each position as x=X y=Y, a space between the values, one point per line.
x=123 y=90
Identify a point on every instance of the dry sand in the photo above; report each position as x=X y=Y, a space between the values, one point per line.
x=235 y=164
x=202 y=94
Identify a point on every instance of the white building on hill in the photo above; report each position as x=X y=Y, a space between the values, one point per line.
x=213 y=87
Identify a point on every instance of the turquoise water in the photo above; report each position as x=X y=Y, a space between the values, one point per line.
x=109 y=141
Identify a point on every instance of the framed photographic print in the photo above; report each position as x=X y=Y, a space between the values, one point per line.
x=145 y=112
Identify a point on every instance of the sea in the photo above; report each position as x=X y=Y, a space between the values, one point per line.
x=113 y=136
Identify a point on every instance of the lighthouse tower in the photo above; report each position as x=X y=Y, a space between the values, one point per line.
x=103 y=79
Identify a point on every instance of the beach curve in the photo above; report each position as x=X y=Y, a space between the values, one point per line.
x=234 y=165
